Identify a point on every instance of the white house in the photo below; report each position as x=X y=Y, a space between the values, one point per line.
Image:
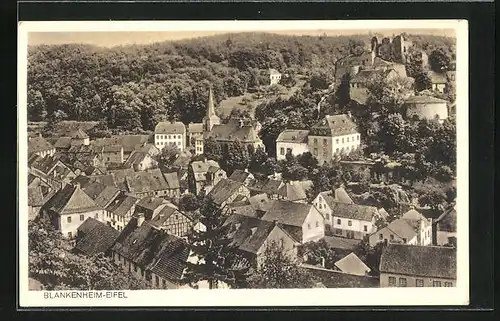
x=293 y=141
x=426 y=107
x=170 y=133
x=274 y=77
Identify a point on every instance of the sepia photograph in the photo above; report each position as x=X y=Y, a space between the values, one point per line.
x=245 y=162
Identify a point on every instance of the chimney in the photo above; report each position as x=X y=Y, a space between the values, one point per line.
x=140 y=219
x=322 y=262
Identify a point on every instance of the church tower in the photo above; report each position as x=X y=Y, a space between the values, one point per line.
x=211 y=118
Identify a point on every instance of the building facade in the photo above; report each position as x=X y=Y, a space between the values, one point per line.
x=170 y=134
x=292 y=141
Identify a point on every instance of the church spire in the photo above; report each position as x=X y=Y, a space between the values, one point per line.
x=211 y=118
x=210 y=109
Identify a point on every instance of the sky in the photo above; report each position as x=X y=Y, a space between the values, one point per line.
x=117 y=38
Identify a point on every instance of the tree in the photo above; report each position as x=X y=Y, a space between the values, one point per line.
x=422 y=81
x=279 y=270
x=168 y=154
x=308 y=161
x=316 y=252
x=212 y=149
x=52 y=262
x=235 y=156
x=369 y=255
x=189 y=202
x=216 y=258
x=257 y=160
x=291 y=169
x=439 y=60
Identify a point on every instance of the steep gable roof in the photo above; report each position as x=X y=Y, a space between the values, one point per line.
x=171 y=261
x=79 y=134
x=288 y=213
x=38 y=144
x=334 y=125
x=71 y=199
x=232 y=132
x=122 y=204
x=354 y=211
x=136 y=158
x=292 y=192
x=143 y=182
x=172 y=180
x=352 y=264
x=402 y=228
x=239 y=176
x=224 y=189
x=151 y=203
x=416 y=260
x=97 y=237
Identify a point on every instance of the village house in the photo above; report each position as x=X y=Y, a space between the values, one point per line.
x=244 y=131
x=251 y=236
x=293 y=141
x=226 y=191
x=149 y=183
x=113 y=154
x=40 y=146
x=170 y=134
x=274 y=77
x=324 y=201
x=173 y=221
x=358 y=83
x=204 y=175
x=37 y=197
x=151 y=255
x=100 y=193
x=438 y=81
x=412 y=228
x=404 y=265
x=242 y=176
x=173 y=184
x=147 y=148
x=149 y=206
x=302 y=221
x=120 y=175
x=426 y=107
x=352 y=264
x=334 y=135
x=69 y=208
x=195 y=137
x=140 y=161
x=94 y=237
x=353 y=220
x=267 y=186
x=129 y=143
x=52 y=171
x=79 y=137
x=119 y=212
x=445 y=227
x=294 y=191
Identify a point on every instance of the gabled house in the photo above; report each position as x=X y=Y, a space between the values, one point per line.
x=404 y=265
x=119 y=212
x=128 y=142
x=94 y=237
x=170 y=134
x=292 y=141
x=302 y=221
x=242 y=176
x=149 y=183
x=40 y=146
x=69 y=208
x=353 y=220
x=173 y=184
x=140 y=161
x=52 y=171
x=120 y=177
x=37 y=196
x=412 y=228
x=204 y=175
x=294 y=191
x=150 y=254
x=113 y=154
x=251 y=236
x=352 y=264
x=150 y=206
x=173 y=221
x=267 y=186
x=226 y=191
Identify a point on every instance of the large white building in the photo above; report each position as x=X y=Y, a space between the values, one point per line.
x=170 y=133
x=426 y=107
x=293 y=141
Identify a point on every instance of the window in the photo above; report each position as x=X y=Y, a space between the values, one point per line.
x=325 y=141
x=315 y=152
x=338 y=221
x=358 y=137
x=70 y=235
x=392 y=281
x=380 y=236
x=308 y=225
x=336 y=141
x=365 y=228
x=315 y=140
x=419 y=283
x=289 y=150
x=338 y=231
x=402 y=282
x=342 y=140
x=347 y=139
x=391 y=237
x=404 y=239
x=327 y=216
x=157 y=279
x=349 y=223
x=448 y=284
x=320 y=207
x=317 y=224
x=436 y=284
x=68 y=219
x=164 y=283
x=282 y=151
x=96 y=216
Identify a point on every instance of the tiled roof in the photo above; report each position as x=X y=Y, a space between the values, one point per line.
x=122 y=204
x=352 y=264
x=203 y=167
x=288 y=213
x=38 y=144
x=135 y=158
x=424 y=100
x=45 y=164
x=232 y=132
x=172 y=180
x=71 y=199
x=107 y=196
x=112 y=148
x=415 y=260
x=97 y=237
x=150 y=203
x=354 y=211
x=239 y=176
x=143 y=182
x=36 y=196
x=293 y=136
x=107 y=179
x=248 y=233
x=171 y=261
x=413 y=215
x=341 y=243
x=260 y=202
x=267 y=185
x=170 y=128
x=334 y=125
x=195 y=128
x=223 y=190
x=335 y=279
x=402 y=228
x=164 y=214
x=129 y=142
x=79 y=134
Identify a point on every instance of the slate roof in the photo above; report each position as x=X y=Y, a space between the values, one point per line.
x=143 y=182
x=341 y=243
x=38 y=144
x=164 y=214
x=334 y=125
x=106 y=179
x=129 y=142
x=232 y=132
x=97 y=237
x=45 y=164
x=288 y=213
x=120 y=175
x=248 y=233
x=293 y=136
x=260 y=202
x=71 y=199
x=424 y=100
x=354 y=211
x=413 y=215
x=108 y=194
x=170 y=128
x=195 y=128
x=352 y=264
x=223 y=190
x=239 y=176
x=153 y=249
x=416 y=260
x=267 y=185
x=447 y=222
x=122 y=204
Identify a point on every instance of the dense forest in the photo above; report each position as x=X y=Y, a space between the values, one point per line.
x=131 y=88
